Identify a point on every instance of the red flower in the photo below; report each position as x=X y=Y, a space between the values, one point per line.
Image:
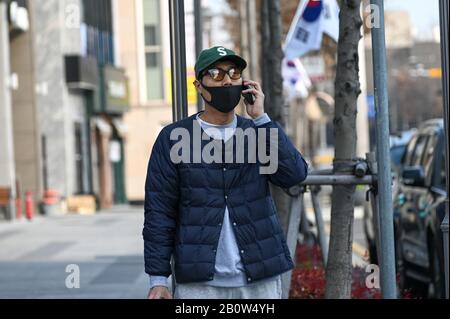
x=308 y=278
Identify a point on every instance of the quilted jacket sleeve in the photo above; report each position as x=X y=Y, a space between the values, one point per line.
x=161 y=207
x=292 y=169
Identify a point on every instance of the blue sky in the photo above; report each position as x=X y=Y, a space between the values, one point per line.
x=424 y=13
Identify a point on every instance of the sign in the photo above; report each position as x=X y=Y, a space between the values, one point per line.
x=315 y=67
x=114 y=151
x=116 y=92
x=191 y=91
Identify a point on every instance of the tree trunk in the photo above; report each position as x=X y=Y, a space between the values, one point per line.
x=347 y=89
x=276 y=106
x=272 y=84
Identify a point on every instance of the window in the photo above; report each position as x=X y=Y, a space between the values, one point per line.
x=150 y=35
x=151 y=60
x=97 y=30
x=441 y=180
x=153 y=50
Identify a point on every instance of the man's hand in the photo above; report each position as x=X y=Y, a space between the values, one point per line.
x=257 y=109
x=159 y=292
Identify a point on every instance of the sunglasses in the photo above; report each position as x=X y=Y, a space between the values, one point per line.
x=217 y=74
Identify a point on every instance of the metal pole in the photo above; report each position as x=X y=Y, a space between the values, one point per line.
x=178 y=70
x=443 y=10
x=371 y=161
x=387 y=262
x=265 y=51
x=376 y=221
x=291 y=238
x=320 y=225
x=337 y=180
x=178 y=59
x=198 y=21
x=253 y=51
x=244 y=40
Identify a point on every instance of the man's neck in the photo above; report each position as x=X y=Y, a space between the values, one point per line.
x=213 y=116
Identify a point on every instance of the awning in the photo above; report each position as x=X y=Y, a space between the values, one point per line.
x=120 y=126
x=103 y=126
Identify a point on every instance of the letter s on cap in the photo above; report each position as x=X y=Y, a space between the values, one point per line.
x=221 y=51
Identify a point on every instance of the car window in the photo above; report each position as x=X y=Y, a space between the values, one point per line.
x=417 y=156
x=409 y=151
x=442 y=177
x=397 y=154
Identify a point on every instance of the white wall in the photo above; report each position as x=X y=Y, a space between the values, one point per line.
x=7 y=169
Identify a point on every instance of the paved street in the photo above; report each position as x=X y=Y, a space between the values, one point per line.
x=107 y=247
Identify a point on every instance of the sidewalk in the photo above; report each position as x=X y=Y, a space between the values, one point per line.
x=106 y=247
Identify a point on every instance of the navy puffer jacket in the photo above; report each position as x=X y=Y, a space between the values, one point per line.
x=185 y=205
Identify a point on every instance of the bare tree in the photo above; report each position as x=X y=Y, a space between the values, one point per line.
x=347 y=89
x=274 y=59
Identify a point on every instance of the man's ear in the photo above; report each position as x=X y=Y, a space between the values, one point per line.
x=198 y=86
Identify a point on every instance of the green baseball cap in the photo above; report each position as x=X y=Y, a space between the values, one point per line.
x=210 y=56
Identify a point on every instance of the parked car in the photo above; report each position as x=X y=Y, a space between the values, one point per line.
x=420 y=207
x=398 y=145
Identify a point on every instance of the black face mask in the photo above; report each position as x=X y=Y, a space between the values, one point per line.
x=224 y=98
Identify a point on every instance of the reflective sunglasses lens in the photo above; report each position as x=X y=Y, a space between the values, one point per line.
x=235 y=74
x=216 y=74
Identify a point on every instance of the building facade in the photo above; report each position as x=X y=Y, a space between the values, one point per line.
x=68 y=132
x=144 y=51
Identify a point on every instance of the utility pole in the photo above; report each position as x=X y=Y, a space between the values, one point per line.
x=178 y=59
x=198 y=21
x=443 y=10
x=275 y=109
x=243 y=19
x=253 y=40
x=385 y=209
x=265 y=51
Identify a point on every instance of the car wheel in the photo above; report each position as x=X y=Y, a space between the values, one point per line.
x=406 y=285
x=400 y=268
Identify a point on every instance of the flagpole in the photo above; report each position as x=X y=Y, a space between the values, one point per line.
x=298 y=13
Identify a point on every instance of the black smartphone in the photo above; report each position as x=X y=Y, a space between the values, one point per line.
x=249 y=98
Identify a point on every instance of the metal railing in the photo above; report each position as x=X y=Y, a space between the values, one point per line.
x=364 y=173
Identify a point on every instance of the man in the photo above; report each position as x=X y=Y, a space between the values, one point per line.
x=217 y=218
